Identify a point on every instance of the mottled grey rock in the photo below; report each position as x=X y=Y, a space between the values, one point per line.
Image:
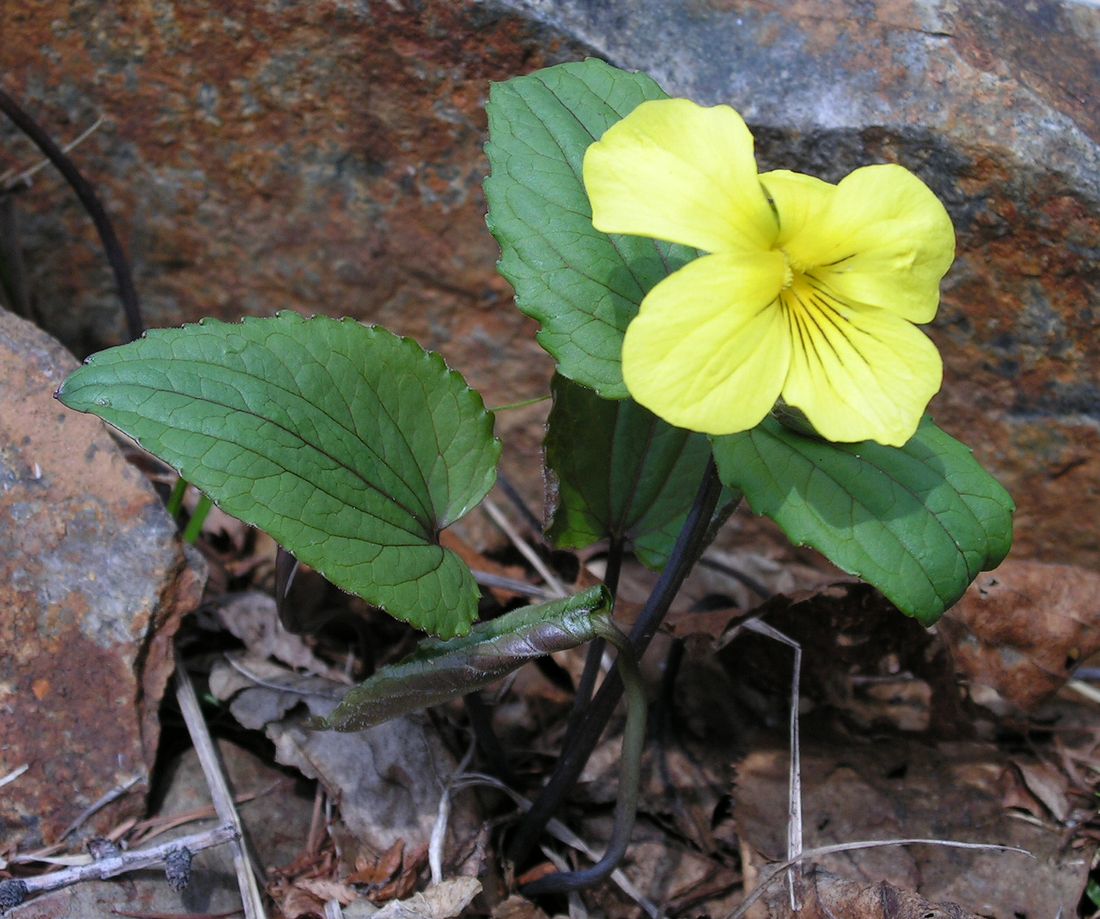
x=92 y=587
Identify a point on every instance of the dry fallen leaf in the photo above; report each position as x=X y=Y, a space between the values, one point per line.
x=297 y=903
x=517 y=907
x=895 y=786
x=252 y=617
x=440 y=901
x=1049 y=785
x=328 y=889
x=826 y=896
x=1023 y=628
x=393 y=876
x=259 y=691
x=387 y=780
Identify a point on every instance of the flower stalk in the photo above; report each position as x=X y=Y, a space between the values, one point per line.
x=593 y=719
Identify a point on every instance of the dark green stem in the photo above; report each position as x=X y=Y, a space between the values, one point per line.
x=481 y=721
x=92 y=205
x=591 y=670
x=630 y=768
x=689 y=545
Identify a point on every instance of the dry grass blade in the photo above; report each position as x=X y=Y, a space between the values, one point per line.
x=13 y=775
x=498 y=517
x=794 y=799
x=11 y=178
x=219 y=790
x=114 y=794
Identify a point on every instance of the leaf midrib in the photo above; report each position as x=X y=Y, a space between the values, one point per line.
x=425 y=537
x=427 y=511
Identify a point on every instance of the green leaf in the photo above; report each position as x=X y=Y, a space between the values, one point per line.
x=441 y=670
x=582 y=285
x=918 y=522
x=350 y=446
x=620 y=472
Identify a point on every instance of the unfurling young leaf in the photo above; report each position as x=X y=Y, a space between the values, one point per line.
x=441 y=670
x=351 y=446
x=918 y=522
x=620 y=473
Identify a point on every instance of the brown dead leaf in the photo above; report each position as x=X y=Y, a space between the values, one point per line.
x=517 y=907
x=328 y=889
x=376 y=872
x=826 y=896
x=440 y=901
x=1023 y=628
x=252 y=617
x=396 y=877
x=897 y=786
x=1049 y=785
x=296 y=903
x=712 y=623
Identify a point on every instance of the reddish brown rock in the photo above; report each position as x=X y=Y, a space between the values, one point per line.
x=327 y=157
x=92 y=588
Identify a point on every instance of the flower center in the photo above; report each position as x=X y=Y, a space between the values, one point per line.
x=791 y=270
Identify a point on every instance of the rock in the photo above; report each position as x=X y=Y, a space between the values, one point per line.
x=325 y=158
x=328 y=158
x=92 y=588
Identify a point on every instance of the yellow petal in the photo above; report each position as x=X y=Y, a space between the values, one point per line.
x=800 y=201
x=857 y=373
x=676 y=171
x=709 y=349
x=885 y=241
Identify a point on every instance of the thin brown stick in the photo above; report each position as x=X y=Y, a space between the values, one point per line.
x=219 y=790
x=498 y=517
x=113 y=795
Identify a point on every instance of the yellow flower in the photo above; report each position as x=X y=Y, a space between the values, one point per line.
x=809 y=293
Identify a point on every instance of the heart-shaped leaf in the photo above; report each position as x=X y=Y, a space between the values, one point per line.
x=619 y=472
x=582 y=285
x=918 y=522
x=352 y=447
x=441 y=670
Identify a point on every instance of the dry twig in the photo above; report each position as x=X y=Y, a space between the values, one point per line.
x=15 y=891
x=219 y=790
